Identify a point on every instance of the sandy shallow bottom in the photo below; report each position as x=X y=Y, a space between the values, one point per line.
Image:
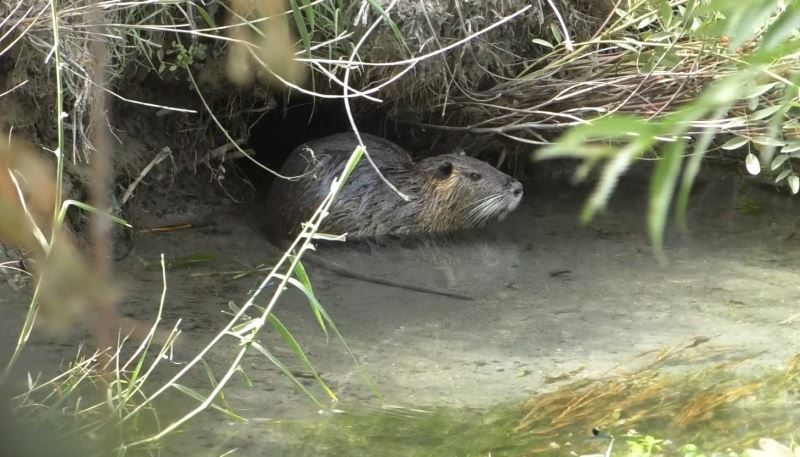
x=552 y=298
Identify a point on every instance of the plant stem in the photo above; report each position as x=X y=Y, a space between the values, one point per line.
x=33 y=307
x=59 y=117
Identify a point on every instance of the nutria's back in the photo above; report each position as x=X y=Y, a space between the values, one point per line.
x=447 y=193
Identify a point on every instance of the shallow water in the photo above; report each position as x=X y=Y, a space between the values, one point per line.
x=554 y=301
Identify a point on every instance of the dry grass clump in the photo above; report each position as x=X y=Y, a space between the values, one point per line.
x=647 y=60
x=710 y=398
x=685 y=401
x=155 y=43
x=485 y=61
x=151 y=47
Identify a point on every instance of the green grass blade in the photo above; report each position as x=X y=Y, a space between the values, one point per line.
x=182 y=262
x=275 y=361
x=137 y=371
x=610 y=175
x=744 y=17
x=398 y=35
x=367 y=379
x=213 y=381
x=298 y=351
x=695 y=161
x=206 y=17
x=311 y=15
x=332 y=325
x=200 y=398
x=775 y=125
x=662 y=187
x=302 y=26
x=351 y=164
x=576 y=141
x=308 y=290
x=88 y=208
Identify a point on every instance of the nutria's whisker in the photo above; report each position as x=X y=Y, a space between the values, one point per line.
x=473 y=215
x=481 y=200
x=486 y=209
x=478 y=205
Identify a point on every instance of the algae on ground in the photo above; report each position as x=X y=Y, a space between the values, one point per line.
x=685 y=402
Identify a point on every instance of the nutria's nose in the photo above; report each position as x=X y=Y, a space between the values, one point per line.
x=516 y=189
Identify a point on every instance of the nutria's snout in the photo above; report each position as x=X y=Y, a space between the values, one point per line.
x=516 y=195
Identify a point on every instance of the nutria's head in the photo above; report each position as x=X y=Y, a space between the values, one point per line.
x=461 y=192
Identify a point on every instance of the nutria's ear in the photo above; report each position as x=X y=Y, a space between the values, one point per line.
x=444 y=169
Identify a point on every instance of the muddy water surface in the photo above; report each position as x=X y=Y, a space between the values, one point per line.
x=552 y=299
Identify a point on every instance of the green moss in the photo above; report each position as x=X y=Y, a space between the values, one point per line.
x=700 y=409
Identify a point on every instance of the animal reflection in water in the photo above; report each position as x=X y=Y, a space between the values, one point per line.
x=448 y=193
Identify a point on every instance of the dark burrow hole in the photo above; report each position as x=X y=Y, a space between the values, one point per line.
x=294 y=121
x=301 y=118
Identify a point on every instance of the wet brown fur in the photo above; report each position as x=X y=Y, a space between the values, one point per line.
x=443 y=197
x=448 y=193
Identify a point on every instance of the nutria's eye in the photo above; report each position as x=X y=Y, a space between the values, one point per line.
x=474 y=176
x=444 y=170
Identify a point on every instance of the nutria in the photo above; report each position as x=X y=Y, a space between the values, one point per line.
x=447 y=193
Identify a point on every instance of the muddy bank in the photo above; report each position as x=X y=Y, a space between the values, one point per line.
x=553 y=299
